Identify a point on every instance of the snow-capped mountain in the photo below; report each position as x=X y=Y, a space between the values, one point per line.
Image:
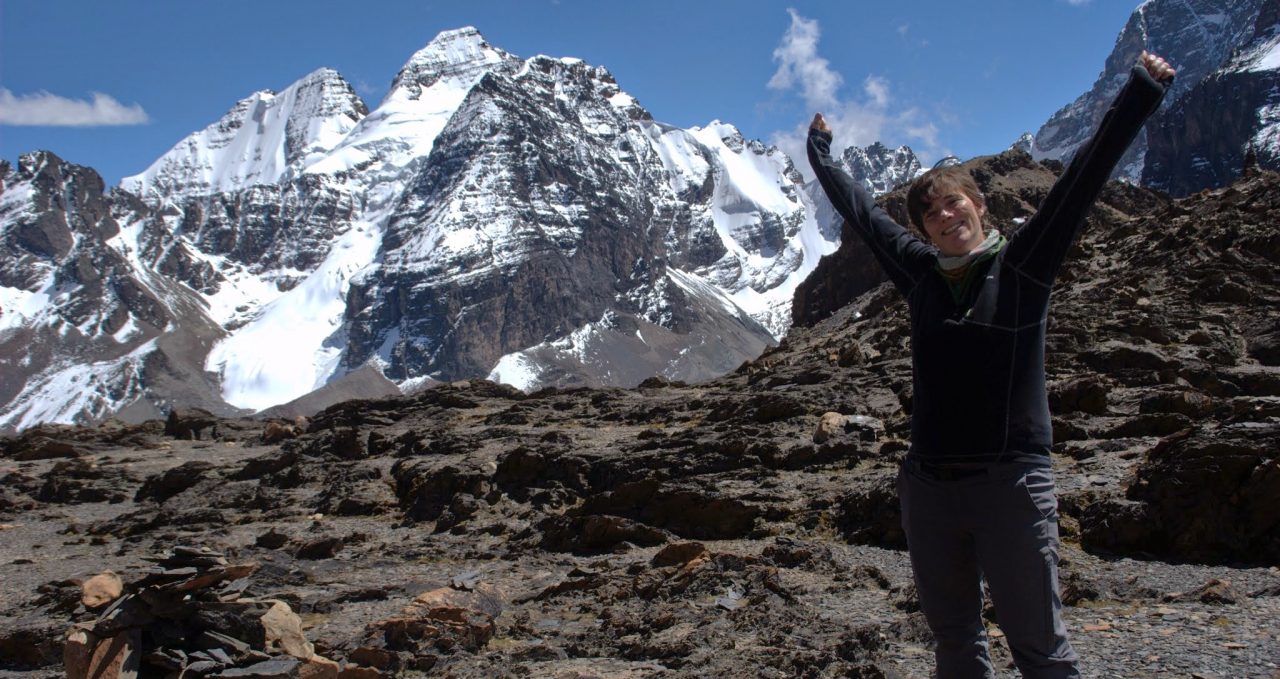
x=518 y=218
x=880 y=168
x=1202 y=139
x=1197 y=36
x=524 y=219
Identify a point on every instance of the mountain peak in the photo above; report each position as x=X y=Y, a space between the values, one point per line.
x=464 y=34
x=258 y=140
x=880 y=168
x=460 y=54
x=321 y=76
x=1197 y=36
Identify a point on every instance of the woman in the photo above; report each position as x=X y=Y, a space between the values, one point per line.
x=976 y=486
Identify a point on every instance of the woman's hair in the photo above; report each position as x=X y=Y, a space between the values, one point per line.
x=939 y=182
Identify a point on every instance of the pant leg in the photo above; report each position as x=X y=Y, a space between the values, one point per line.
x=1017 y=548
x=947 y=577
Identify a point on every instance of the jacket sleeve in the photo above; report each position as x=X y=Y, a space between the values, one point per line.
x=902 y=256
x=1038 y=248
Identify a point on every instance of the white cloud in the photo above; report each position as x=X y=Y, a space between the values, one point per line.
x=926 y=133
x=1077 y=3
x=44 y=108
x=799 y=64
x=854 y=122
x=877 y=88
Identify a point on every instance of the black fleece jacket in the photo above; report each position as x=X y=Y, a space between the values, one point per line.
x=978 y=365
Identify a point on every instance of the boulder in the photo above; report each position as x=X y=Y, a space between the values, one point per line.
x=690 y=511
x=834 y=425
x=678 y=554
x=438 y=621
x=1206 y=495
x=38 y=447
x=276 y=432
x=101 y=590
x=191 y=424
x=117 y=657
x=162 y=486
x=282 y=629
x=595 y=533
x=872 y=516
x=319 y=667
x=426 y=489
x=1084 y=394
x=77 y=653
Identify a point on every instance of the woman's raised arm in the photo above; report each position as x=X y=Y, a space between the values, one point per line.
x=1037 y=249
x=902 y=256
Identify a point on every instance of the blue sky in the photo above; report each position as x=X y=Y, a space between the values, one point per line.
x=128 y=79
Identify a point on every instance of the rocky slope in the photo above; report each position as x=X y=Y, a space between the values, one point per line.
x=1202 y=140
x=1197 y=36
x=744 y=526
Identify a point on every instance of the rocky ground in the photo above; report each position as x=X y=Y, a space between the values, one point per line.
x=746 y=526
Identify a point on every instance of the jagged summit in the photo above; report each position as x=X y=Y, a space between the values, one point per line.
x=459 y=56
x=262 y=138
x=881 y=168
x=1025 y=142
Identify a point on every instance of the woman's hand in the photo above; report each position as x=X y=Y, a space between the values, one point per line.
x=1156 y=66
x=819 y=124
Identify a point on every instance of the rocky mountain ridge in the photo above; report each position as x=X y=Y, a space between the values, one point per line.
x=305 y=244
x=1198 y=37
x=1203 y=138
x=492 y=214
x=879 y=168
x=261 y=140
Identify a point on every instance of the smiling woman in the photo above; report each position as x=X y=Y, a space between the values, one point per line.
x=950 y=208
x=977 y=486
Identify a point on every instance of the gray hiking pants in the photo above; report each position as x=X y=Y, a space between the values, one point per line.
x=998 y=521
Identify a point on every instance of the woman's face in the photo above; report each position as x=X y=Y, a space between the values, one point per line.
x=953 y=222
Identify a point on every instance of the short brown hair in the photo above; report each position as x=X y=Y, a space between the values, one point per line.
x=936 y=182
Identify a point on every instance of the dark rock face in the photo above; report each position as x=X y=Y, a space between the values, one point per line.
x=1197 y=36
x=1201 y=140
x=852 y=270
x=68 y=205
x=1204 y=494
x=839 y=278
